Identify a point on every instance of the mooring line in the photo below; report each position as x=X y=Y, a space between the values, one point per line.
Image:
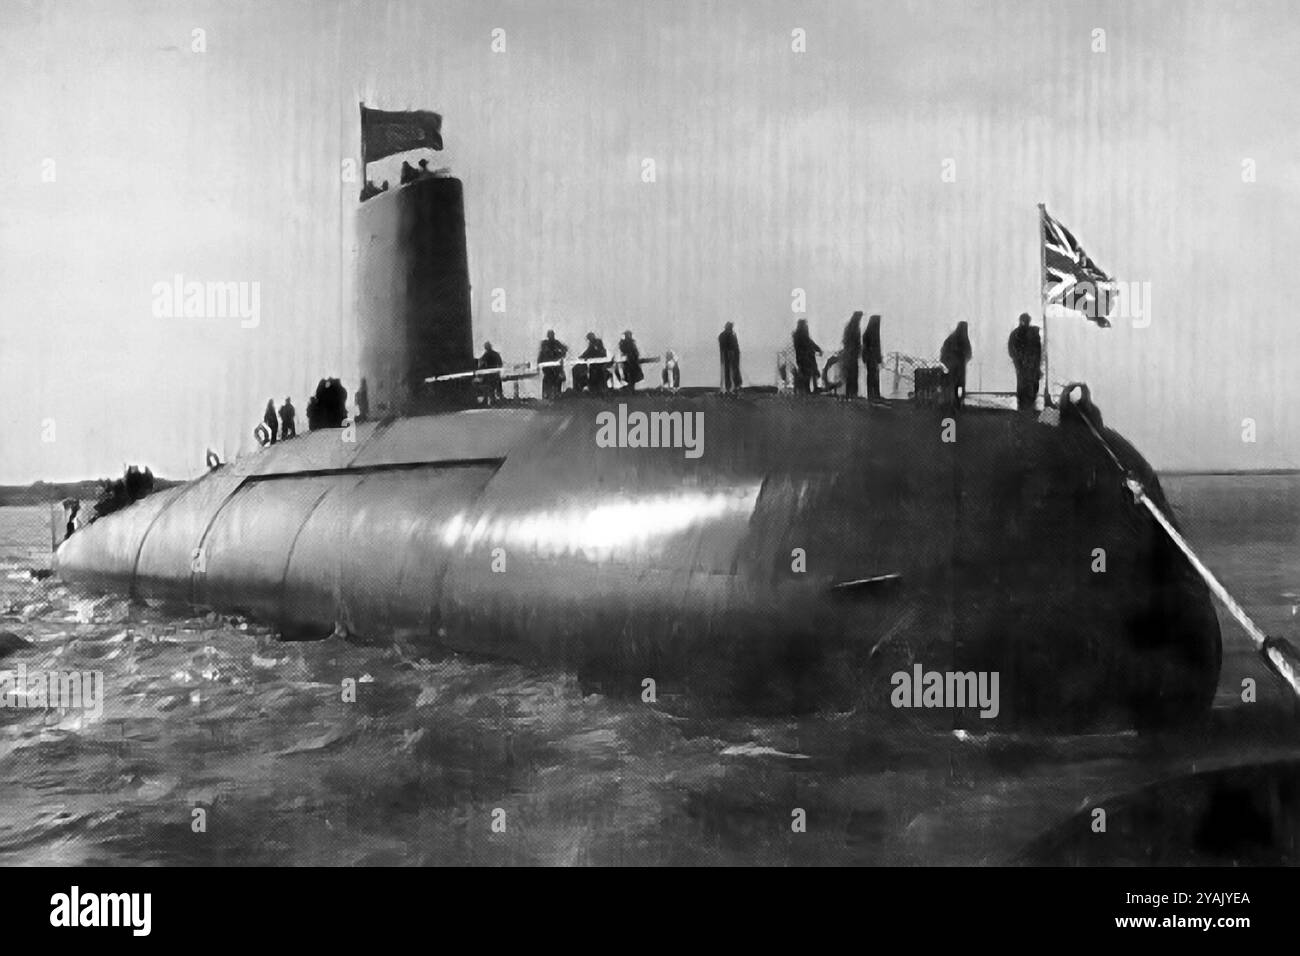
x=1273 y=649
x=1277 y=652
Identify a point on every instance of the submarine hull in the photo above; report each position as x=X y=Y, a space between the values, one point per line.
x=800 y=556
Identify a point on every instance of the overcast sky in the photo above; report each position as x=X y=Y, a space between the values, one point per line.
x=893 y=166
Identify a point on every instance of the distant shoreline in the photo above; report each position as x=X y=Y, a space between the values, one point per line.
x=1228 y=472
x=52 y=492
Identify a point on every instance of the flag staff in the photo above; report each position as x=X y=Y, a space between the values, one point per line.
x=365 y=163
x=1042 y=301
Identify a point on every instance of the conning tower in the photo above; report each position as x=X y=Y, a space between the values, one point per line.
x=413 y=306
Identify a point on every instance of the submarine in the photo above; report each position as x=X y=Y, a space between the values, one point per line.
x=804 y=554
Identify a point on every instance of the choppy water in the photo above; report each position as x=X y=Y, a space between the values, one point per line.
x=214 y=713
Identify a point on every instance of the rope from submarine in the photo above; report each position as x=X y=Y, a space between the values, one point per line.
x=1277 y=652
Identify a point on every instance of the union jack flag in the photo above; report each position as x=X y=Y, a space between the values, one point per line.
x=1071 y=279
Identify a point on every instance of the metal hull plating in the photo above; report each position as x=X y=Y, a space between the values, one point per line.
x=513 y=533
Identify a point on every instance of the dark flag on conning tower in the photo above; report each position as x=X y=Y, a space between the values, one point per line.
x=385 y=132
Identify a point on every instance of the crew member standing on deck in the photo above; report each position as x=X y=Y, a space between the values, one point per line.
x=805 y=359
x=322 y=405
x=631 y=360
x=288 y=427
x=729 y=353
x=849 y=355
x=552 y=350
x=954 y=355
x=1026 y=349
x=490 y=384
x=872 y=356
x=671 y=376
x=331 y=406
x=71 y=507
x=269 y=420
x=597 y=372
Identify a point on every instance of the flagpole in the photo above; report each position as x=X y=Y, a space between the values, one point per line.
x=1042 y=301
x=364 y=163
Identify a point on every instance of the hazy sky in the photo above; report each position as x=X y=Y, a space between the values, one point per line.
x=776 y=170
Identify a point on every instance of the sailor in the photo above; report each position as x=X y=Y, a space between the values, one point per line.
x=850 y=352
x=112 y=497
x=597 y=373
x=671 y=377
x=729 y=354
x=288 y=428
x=954 y=355
x=408 y=175
x=1025 y=346
x=313 y=411
x=269 y=420
x=552 y=350
x=805 y=359
x=369 y=190
x=490 y=385
x=138 y=483
x=72 y=506
x=631 y=360
x=425 y=171
x=212 y=460
x=363 y=397
x=872 y=356
x=331 y=404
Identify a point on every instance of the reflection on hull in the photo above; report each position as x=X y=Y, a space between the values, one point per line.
x=511 y=532
x=624 y=528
